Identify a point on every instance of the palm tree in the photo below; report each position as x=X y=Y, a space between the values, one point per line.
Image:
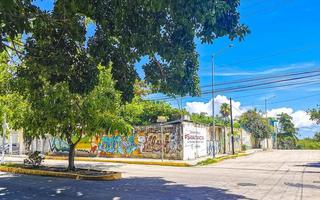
x=225 y=112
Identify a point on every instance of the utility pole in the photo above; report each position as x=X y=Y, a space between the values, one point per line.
x=231 y=125
x=212 y=83
x=267 y=121
x=213 y=122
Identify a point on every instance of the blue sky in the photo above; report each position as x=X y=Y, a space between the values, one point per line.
x=286 y=28
x=284 y=38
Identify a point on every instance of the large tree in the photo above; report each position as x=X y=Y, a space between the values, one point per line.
x=59 y=59
x=162 y=31
x=286 y=138
x=254 y=123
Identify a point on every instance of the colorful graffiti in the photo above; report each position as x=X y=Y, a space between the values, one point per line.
x=117 y=144
x=143 y=142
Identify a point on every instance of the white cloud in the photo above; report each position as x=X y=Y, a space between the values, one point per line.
x=300 y=118
x=198 y=107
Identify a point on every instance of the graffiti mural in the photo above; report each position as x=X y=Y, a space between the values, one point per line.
x=142 y=142
x=58 y=145
x=151 y=138
x=117 y=144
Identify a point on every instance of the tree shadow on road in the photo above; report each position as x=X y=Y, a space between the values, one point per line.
x=315 y=165
x=36 y=187
x=300 y=185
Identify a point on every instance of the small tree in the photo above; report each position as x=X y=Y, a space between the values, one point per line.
x=315 y=116
x=69 y=116
x=316 y=136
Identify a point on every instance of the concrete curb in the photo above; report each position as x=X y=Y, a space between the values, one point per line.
x=18 y=170
x=160 y=163
x=210 y=161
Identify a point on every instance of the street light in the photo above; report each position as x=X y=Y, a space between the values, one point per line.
x=212 y=83
x=161 y=120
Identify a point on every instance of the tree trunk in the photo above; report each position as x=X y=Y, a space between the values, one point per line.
x=257 y=143
x=71 y=166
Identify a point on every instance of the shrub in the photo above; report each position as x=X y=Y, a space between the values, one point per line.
x=308 y=144
x=244 y=147
x=34 y=159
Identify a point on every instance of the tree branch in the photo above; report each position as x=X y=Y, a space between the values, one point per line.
x=14 y=49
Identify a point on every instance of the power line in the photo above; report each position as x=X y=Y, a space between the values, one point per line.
x=286 y=100
x=262 y=83
x=263 y=78
x=250 y=89
x=255 y=79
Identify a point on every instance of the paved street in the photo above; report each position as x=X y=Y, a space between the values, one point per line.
x=263 y=175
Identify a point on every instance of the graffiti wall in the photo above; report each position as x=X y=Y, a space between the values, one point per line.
x=181 y=141
x=58 y=145
x=143 y=142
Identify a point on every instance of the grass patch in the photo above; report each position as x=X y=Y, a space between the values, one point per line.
x=219 y=159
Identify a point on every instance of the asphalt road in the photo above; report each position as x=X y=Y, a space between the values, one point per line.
x=264 y=175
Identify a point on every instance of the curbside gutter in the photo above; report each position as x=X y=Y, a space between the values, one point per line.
x=18 y=170
x=137 y=162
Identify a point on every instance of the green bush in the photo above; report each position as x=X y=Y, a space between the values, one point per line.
x=244 y=147
x=308 y=144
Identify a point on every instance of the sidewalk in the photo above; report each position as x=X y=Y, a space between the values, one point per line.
x=142 y=161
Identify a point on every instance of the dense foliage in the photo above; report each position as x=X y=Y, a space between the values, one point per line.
x=55 y=110
x=308 y=143
x=315 y=114
x=254 y=123
x=286 y=138
x=163 y=31
x=12 y=105
x=145 y=112
x=68 y=95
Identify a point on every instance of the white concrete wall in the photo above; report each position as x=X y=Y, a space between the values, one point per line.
x=194 y=140
x=266 y=143
x=246 y=138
